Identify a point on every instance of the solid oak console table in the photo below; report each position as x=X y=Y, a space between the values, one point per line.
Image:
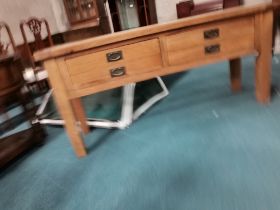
x=89 y=66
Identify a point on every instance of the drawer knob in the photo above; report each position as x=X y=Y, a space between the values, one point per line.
x=211 y=34
x=114 y=56
x=212 y=49
x=118 y=72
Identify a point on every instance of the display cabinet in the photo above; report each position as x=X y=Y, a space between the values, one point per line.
x=127 y=14
x=81 y=11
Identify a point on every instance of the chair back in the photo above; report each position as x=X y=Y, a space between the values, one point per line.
x=34 y=26
x=231 y=3
x=5 y=44
x=187 y=8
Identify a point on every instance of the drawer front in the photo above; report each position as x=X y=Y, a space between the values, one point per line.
x=215 y=40
x=114 y=64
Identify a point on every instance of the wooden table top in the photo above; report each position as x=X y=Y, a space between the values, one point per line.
x=69 y=48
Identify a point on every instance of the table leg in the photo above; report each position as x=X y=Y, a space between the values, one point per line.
x=264 y=59
x=80 y=114
x=65 y=108
x=235 y=74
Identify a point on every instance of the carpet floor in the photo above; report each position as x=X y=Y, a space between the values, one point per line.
x=201 y=148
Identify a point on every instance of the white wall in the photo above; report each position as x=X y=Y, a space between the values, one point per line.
x=60 y=16
x=13 y=11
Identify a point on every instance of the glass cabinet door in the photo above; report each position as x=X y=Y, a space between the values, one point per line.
x=72 y=8
x=88 y=8
x=128 y=14
x=81 y=10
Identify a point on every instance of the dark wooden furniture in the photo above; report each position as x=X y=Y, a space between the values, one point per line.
x=10 y=81
x=184 y=8
x=145 y=12
x=11 y=93
x=34 y=26
x=17 y=144
x=231 y=3
x=102 y=63
x=4 y=49
x=11 y=84
x=276 y=22
x=94 y=25
x=82 y=12
x=189 y=8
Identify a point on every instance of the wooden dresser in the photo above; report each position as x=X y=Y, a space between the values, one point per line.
x=97 y=64
x=11 y=83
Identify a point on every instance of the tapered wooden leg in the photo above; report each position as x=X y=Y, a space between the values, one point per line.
x=65 y=108
x=263 y=62
x=235 y=74
x=80 y=114
x=71 y=126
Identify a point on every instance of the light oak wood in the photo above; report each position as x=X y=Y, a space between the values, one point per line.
x=263 y=42
x=65 y=108
x=110 y=84
x=182 y=54
x=82 y=68
x=80 y=114
x=137 y=58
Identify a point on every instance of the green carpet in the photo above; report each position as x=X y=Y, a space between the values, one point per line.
x=201 y=148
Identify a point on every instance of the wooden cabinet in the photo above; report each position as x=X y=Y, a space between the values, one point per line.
x=11 y=83
x=127 y=14
x=113 y=64
x=82 y=11
x=92 y=21
x=209 y=42
x=147 y=12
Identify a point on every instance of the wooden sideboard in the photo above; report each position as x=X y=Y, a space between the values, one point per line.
x=97 y=64
x=11 y=83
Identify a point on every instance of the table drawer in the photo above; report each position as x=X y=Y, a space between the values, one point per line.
x=210 y=41
x=113 y=64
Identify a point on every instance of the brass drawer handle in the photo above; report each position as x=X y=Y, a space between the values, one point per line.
x=118 y=72
x=211 y=34
x=212 y=49
x=114 y=56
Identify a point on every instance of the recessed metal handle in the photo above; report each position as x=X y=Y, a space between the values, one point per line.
x=212 y=33
x=114 y=56
x=118 y=72
x=212 y=49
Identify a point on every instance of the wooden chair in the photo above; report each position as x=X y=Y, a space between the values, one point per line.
x=3 y=47
x=11 y=93
x=36 y=75
x=189 y=8
x=11 y=78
